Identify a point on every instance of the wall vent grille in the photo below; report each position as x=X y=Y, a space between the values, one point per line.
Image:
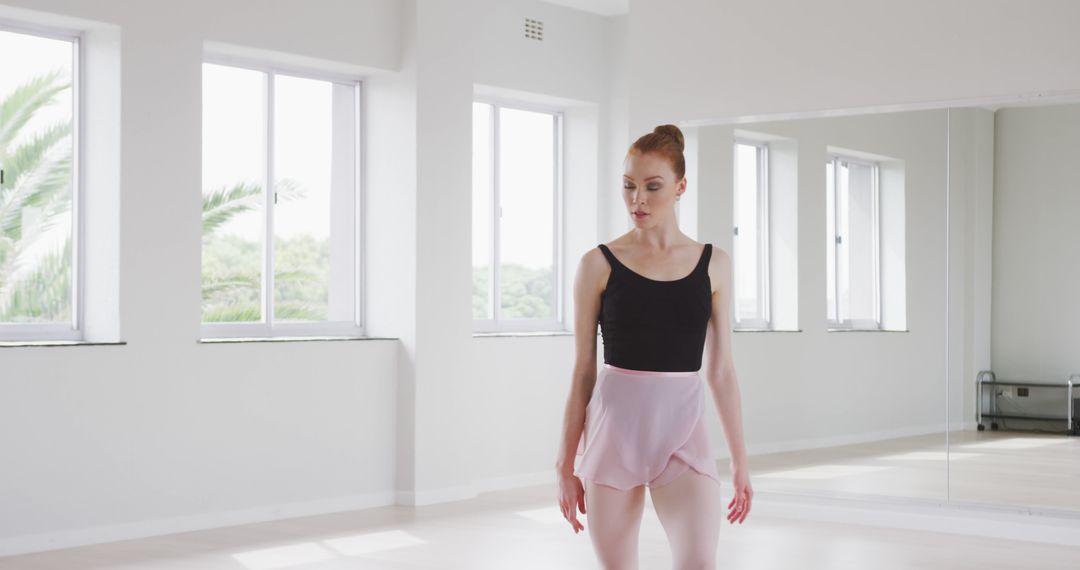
x=534 y=29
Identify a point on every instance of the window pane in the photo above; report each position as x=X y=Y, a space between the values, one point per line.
x=526 y=226
x=234 y=168
x=303 y=147
x=843 y=272
x=482 y=252
x=747 y=185
x=830 y=239
x=862 y=249
x=36 y=150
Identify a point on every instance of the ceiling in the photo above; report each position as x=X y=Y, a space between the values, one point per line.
x=602 y=7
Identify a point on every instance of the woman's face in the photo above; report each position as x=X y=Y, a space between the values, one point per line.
x=650 y=188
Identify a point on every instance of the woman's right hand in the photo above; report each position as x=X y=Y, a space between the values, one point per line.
x=571 y=498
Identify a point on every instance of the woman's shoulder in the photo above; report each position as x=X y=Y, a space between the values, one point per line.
x=719 y=268
x=592 y=266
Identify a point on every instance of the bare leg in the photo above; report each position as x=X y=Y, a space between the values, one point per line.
x=613 y=521
x=690 y=511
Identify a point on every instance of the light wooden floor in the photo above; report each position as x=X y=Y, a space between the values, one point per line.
x=991 y=467
x=523 y=529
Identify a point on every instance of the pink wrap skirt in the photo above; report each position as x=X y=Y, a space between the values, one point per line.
x=644 y=428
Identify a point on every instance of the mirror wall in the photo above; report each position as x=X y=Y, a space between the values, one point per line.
x=853 y=236
x=1016 y=176
x=837 y=228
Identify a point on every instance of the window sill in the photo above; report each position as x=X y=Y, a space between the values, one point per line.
x=224 y=340
x=20 y=343
x=522 y=333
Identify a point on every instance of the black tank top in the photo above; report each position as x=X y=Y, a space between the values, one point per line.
x=655 y=325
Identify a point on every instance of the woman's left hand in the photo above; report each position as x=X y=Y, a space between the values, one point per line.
x=739 y=506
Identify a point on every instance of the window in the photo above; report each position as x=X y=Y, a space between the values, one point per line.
x=39 y=204
x=853 y=238
x=281 y=202
x=517 y=166
x=751 y=242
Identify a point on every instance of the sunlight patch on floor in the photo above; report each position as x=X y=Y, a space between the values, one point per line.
x=284 y=556
x=373 y=542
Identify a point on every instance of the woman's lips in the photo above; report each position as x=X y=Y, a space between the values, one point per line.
x=640 y=215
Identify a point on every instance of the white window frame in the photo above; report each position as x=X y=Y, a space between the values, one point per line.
x=73 y=330
x=495 y=324
x=763 y=320
x=268 y=327
x=875 y=182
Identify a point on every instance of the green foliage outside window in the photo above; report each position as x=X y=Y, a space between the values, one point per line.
x=35 y=196
x=527 y=293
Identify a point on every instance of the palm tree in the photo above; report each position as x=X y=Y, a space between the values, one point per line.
x=233 y=293
x=37 y=178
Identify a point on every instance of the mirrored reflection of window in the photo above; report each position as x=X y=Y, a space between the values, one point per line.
x=853 y=243
x=280 y=203
x=751 y=241
x=516 y=173
x=38 y=238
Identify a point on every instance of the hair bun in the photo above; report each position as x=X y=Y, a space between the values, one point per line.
x=666 y=141
x=673 y=132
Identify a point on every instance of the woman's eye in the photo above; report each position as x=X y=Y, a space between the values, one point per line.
x=654 y=188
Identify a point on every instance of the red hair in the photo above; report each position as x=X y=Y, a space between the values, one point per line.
x=667 y=141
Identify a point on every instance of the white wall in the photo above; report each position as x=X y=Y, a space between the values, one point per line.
x=702 y=59
x=520 y=384
x=726 y=59
x=971 y=209
x=1036 y=304
x=162 y=433
x=1014 y=180
x=614 y=218
x=840 y=387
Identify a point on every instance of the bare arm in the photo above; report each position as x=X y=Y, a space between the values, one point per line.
x=592 y=273
x=721 y=364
